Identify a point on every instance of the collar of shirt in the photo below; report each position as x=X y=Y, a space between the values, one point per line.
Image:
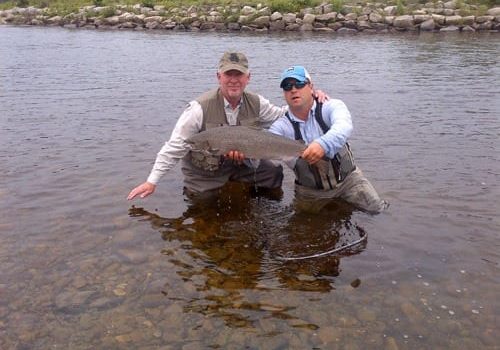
x=231 y=114
x=311 y=114
x=309 y=129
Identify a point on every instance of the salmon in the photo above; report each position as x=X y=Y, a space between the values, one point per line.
x=253 y=142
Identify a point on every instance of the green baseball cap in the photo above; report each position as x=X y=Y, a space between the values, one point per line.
x=233 y=60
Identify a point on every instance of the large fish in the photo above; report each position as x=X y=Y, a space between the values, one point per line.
x=252 y=142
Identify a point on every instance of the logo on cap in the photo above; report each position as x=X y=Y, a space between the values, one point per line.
x=233 y=57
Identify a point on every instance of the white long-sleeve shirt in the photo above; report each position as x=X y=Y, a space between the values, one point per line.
x=190 y=123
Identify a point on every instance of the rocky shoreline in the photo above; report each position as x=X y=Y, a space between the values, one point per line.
x=371 y=18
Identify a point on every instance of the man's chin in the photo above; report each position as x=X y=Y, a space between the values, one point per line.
x=235 y=93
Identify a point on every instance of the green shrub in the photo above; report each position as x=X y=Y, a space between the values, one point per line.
x=337 y=5
x=148 y=3
x=400 y=7
x=109 y=11
x=285 y=6
x=22 y=3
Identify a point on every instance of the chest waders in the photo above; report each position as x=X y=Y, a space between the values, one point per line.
x=327 y=173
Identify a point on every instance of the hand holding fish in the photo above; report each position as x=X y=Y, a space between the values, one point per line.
x=236 y=156
x=313 y=153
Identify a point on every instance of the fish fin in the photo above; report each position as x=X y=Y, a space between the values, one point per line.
x=251 y=126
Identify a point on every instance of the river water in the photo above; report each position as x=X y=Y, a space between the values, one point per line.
x=82 y=115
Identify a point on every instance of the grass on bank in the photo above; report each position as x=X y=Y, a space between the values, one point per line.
x=283 y=6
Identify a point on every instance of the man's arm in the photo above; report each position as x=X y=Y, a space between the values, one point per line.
x=188 y=124
x=335 y=114
x=269 y=112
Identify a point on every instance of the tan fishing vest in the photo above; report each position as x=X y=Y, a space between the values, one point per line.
x=214 y=115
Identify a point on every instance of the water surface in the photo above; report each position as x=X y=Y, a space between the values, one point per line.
x=82 y=115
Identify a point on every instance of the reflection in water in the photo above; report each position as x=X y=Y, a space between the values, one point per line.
x=237 y=242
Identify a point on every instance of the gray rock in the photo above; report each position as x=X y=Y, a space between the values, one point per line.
x=484 y=19
x=344 y=30
x=266 y=11
x=233 y=26
x=417 y=19
x=306 y=27
x=450 y=29
x=351 y=16
x=290 y=18
x=262 y=21
x=206 y=26
x=276 y=16
x=292 y=27
x=483 y=26
x=114 y=20
x=327 y=17
x=453 y=20
x=153 y=19
x=309 y=18
x=495 y=11
x=468 y=20
x=439 y=19
x=389 y=20
x=390 y=10
x=350 y=24
x=405 y=22
x=428 y=25
x=128 y=25
x=248 y=10
x=244 y=20
x=375 y=17
x=153 y=25
x=335 y=26
x=363 y=25
x=450 y=5
x=277 y=25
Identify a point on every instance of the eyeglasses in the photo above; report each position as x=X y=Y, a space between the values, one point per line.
x=288 y=86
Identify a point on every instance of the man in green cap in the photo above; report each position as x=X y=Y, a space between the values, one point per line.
x=229 y=104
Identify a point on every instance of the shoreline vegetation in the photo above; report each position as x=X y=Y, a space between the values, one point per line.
x=335 y=16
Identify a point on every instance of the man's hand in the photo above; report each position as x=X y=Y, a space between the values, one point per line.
x=321 y=96
x=142 y=190
x=236 y=156
x=313 y=153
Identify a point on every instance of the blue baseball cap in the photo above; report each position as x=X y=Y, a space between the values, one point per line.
x=298 y=73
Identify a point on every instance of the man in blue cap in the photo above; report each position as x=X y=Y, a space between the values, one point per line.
x=326 y=169
x=228 y=104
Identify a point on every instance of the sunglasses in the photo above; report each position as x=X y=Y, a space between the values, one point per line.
x=288 y=86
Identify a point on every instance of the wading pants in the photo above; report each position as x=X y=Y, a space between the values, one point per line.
x=265 y=175
x=355 y=189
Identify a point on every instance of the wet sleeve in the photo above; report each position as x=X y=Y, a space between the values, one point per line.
x=188 y=124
